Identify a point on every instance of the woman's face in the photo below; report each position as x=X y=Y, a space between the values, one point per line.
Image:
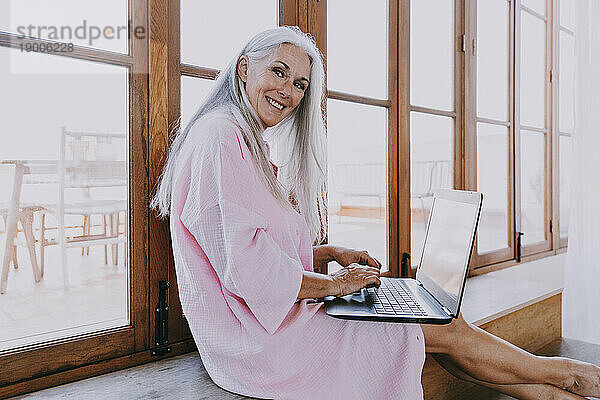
x=276 y=84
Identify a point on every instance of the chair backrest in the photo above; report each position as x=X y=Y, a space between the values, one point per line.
x=442 y=175
x=420 y=178
x=370 y=178
x=360 y=179
x=93 y=159
x=428 y=176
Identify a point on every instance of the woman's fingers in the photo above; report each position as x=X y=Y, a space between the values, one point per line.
x=373 y=262
x=355 y=277
x=367 y=268
x=379 y=265
x=372 y=279
x=369 y=276
x=366 y=259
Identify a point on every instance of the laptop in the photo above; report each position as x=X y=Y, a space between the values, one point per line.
x=435 y=296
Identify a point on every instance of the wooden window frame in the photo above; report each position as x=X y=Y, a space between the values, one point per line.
x=460 y=104
x=505 y=254
x=502 y=258
x=545 y=245
x=34 y=367
x=560 y=243
x=553 y=245
x=318 y=27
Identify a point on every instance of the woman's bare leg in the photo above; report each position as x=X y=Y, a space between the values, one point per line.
x=490 y=359
x=537 y=391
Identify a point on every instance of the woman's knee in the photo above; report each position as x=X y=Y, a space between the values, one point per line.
x=445 y=338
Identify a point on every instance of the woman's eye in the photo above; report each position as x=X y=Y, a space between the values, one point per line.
x=299 y=85
x=278 y=72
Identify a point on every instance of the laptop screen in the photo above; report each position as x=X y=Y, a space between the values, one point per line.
x=447 y=247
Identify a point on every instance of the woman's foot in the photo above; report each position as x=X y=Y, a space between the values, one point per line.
x=583 y=379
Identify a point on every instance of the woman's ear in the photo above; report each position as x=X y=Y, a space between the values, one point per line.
x=242 y=68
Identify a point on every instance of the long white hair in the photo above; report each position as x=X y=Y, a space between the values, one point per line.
x=299 y=139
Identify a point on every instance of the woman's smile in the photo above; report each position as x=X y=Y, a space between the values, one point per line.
x=274 y=103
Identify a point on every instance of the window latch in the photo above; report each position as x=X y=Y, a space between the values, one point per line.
x=519 y=234
x=404 y=265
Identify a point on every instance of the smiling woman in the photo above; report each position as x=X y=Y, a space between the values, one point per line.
x=276 y=84
x=244 y=258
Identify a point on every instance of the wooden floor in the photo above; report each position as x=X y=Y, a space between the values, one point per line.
x=184 y=378
x=180 y=378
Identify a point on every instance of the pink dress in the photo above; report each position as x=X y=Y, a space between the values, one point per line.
x=239 y=257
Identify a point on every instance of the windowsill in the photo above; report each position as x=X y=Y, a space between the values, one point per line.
x=495 y=294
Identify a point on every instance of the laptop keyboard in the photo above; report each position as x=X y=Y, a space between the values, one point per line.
x=392 y=299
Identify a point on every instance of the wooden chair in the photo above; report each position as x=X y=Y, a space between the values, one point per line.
x=24 y=216
x=4 y=215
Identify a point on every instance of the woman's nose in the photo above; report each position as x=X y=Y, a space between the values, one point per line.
x=285 y=89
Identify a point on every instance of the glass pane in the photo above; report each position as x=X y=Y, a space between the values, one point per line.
x=566 y=116
x=431 y=141
x=357 y=181
x=567 y=14
x=354 y=25
x=193 y=93
x=70 y=144
x=101 y=25
x=492 y=59
x=432 y=54
x=492 y=181
x=536 y=5
x=564 y=172
x=533 y=188
x=212 y=32
x=533 y=70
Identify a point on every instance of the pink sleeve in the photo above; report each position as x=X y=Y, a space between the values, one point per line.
x=306 y=247
x=247 y=260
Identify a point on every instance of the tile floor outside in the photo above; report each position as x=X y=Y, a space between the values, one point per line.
x=96 y=298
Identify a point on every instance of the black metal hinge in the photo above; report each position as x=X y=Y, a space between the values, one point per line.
x=161 y=321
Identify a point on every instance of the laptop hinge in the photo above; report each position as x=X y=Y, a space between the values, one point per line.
x=434 y=298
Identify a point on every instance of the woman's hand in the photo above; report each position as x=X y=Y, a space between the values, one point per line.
x=345 y=257
x=354 y=277
x=324 y=254
x=360 y=269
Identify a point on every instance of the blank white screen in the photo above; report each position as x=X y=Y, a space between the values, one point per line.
x=448 y=244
